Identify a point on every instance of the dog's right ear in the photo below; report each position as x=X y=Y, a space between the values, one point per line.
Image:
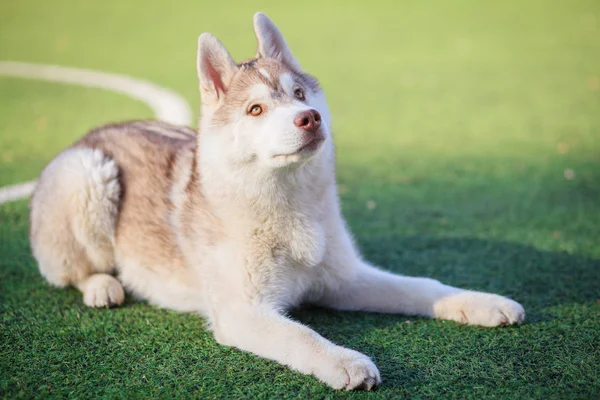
x=215 y=69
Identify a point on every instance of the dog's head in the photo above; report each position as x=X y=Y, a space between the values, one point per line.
x=266 y=110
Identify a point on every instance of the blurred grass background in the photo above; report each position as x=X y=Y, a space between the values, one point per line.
x=468 y=141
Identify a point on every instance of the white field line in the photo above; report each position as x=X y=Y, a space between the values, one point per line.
x=167 y=105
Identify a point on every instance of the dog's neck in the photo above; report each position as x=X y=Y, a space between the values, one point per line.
x=263 y=194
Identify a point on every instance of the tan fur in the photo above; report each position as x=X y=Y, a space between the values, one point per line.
x=237 y=223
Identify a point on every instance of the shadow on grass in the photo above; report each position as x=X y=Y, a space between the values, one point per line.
x=413 y=353
x=538 y=279
x=554 y=287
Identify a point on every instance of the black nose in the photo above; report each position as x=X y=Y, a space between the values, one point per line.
x=309 y=120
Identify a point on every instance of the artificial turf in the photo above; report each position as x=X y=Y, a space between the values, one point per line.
x=468 y=142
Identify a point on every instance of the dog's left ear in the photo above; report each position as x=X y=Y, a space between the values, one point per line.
x=271 y=43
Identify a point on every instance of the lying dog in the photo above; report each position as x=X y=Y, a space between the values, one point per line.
x=238 y=222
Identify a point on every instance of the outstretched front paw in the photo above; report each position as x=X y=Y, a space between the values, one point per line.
x=351 y=370
x=476 y=308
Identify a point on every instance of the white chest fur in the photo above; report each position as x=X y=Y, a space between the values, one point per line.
x=281 y=258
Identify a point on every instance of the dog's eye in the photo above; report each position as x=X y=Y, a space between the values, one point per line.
x=255 y=110
x=299 y=93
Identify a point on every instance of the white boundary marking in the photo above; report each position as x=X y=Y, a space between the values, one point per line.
x=167 y=105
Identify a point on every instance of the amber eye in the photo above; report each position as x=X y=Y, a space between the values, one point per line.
x=255 y=110
x=299 y=93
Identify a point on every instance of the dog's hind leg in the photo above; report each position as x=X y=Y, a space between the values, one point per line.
x=73 y=215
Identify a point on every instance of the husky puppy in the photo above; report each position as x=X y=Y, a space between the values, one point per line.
x=237 y=222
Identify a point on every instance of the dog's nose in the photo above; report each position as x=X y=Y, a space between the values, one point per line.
x=309 y=120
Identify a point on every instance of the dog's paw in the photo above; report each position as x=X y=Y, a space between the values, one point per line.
x=476 y=308
x=103 y=290
x=352 y=371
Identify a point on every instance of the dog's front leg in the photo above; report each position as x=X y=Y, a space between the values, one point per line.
x=360 y=286
x=263 y=331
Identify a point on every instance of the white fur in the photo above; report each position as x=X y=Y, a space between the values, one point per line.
x=266 y=74
x=287 y=83
x=281 y=240
x=84 y=182
x=258 y=92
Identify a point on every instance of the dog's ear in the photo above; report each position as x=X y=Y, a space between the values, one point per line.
x=271 y=43
x=215 y=68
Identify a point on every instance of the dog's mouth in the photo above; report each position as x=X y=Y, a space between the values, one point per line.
x=310 y=146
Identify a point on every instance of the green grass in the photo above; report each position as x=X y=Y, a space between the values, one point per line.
x=40 y=119
x=457 y=118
